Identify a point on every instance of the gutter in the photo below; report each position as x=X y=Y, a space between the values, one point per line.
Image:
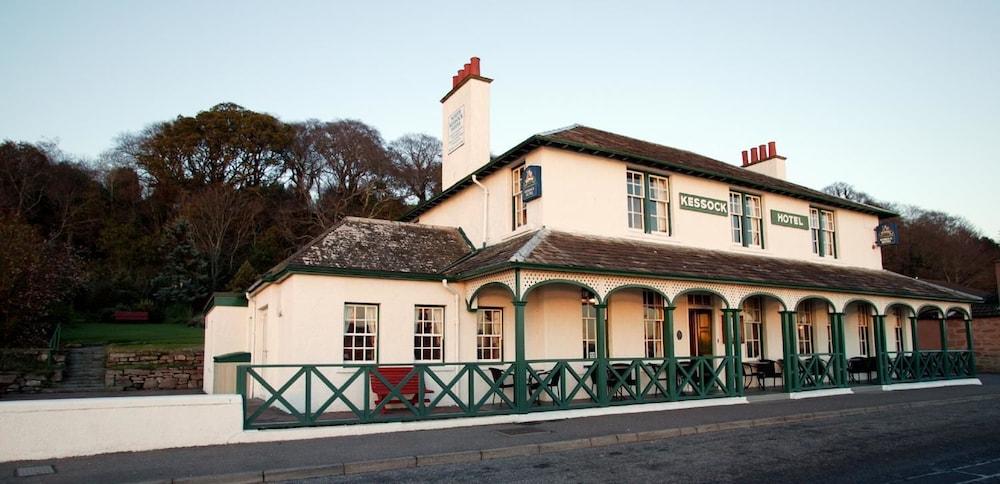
x=486 y=209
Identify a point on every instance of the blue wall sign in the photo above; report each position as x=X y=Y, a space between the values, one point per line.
x=531 y=183
x=887 y=234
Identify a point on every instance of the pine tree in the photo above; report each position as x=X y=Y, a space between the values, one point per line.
x=183 y=278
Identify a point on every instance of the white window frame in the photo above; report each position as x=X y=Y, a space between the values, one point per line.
x=829 y=338
x=659 y=204
x=898 y=330
x=588 y=315
x=489 y=335
x=519 y=209
x=805 y=329
x=822 y=223
x=753 y=328
x=428 y=333
x=356 y=343
x=736 y=217
x=652 y=323
x=756 y=217
x=631 y=196
x=864 y=322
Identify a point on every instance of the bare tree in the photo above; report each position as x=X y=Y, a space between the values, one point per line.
x=222 y=221
x=416 y=162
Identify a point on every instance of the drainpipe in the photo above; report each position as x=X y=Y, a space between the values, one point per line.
x=486 y=205
x=458 y=321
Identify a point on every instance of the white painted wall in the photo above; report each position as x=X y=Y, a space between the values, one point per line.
x=227 y=330
x=86 y=426
x=586 y=194
x=473 y=98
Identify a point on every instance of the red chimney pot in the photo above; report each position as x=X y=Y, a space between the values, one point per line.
x=475 y=65
x=763 y=152
x=753 y=156
x=772 y=148
x=746 y=158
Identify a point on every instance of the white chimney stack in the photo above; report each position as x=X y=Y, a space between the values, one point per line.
x=764 y=159
x=465 y=124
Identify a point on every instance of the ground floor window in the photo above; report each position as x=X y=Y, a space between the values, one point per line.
x=652 y=310
x=805 y=339
x=489 y=334
x=589 y=314
x=898 y=330
x=428 y=333
x=753 y=328
x=829 y=338
x=360 y=332
x=805 y=329
x=864 y=321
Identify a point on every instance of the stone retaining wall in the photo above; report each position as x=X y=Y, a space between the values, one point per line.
x=154 y=369
x=27 y=370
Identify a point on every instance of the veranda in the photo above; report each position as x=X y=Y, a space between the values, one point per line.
x=585 y=340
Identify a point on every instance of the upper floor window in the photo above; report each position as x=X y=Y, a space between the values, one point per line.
x=360 y=332
x=635 y=186
x=648 y=206
x=824 y=232
x=428 y=333
x=747 y=218
x=519 y=209
x=659 y=204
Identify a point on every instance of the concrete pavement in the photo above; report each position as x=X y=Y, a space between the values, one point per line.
x=367 y=453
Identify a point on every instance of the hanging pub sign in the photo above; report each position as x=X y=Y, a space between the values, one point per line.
x=531 y=183
x=789 y=220
x=704 y=204
x=886 y=233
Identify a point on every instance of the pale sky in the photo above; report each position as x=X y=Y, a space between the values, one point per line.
x=900 y=99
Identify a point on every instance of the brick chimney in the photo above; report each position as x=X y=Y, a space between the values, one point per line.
x=465 y=124
x=764 y=159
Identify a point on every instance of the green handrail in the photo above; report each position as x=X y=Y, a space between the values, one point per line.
x=54 y=345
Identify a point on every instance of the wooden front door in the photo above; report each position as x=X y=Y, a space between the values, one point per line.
x=700 y=331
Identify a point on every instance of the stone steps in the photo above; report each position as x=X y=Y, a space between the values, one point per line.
x=84 y=371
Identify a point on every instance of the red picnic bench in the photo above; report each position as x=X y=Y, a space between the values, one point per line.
x=131 y=316
x=394 y=376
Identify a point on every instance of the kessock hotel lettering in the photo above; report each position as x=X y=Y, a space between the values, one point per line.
x=704 y=204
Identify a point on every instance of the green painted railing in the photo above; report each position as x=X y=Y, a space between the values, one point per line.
x=277 y=396
x=820 y=370
x=923 y=365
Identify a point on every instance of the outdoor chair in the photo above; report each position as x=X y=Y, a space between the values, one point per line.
x=619 y=376
x=498 y=378
x=773 y=370
x=858 y=365
x=749 y=375
x=535 y=384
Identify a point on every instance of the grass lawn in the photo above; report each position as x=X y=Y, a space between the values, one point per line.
x=134 y=336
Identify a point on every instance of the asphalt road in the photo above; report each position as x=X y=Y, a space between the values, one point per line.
x=954 y=443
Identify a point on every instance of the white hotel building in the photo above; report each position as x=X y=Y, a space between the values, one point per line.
x=580 y=269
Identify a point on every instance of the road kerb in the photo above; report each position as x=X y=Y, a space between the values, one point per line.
x=449 y=458
x=296 y=473
x=379 y=465
x=561 y=445
x=235 y=478
x=514 y=451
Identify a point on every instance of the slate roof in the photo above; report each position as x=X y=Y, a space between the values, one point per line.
x=593 y=141
x=591 y=253
x=361 y=244
x=382 y=248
